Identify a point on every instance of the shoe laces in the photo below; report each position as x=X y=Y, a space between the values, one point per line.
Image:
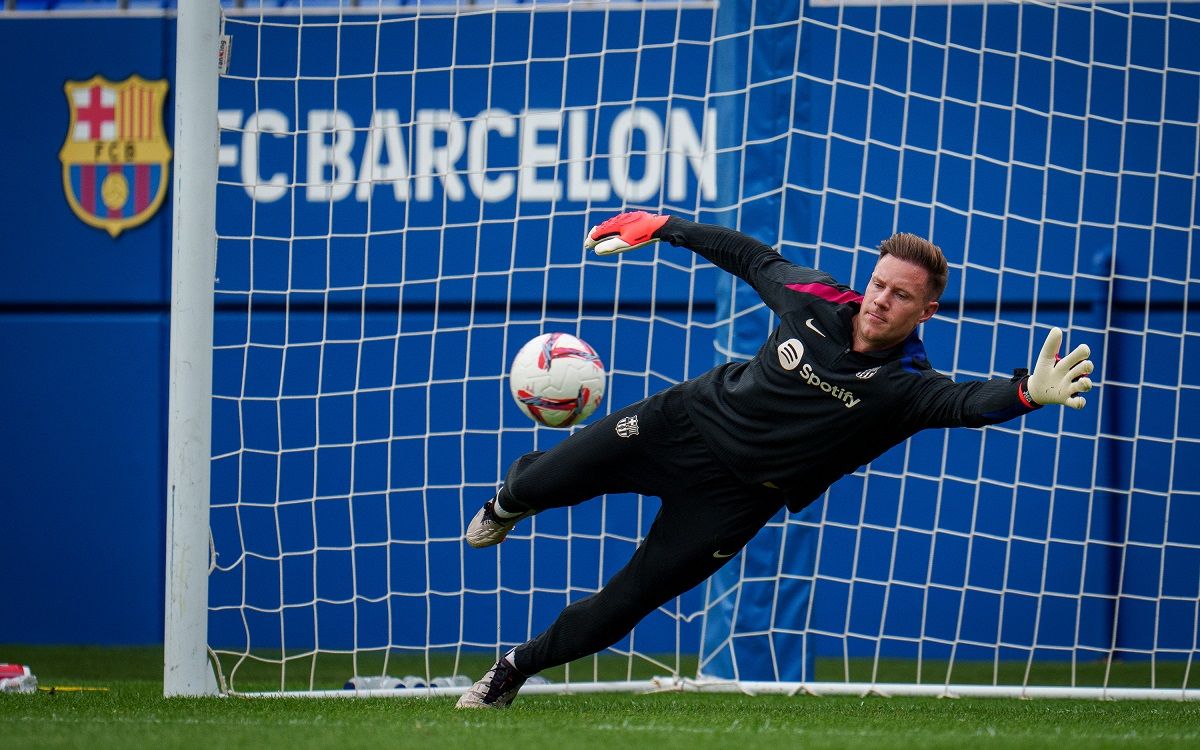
x=490 y=516
x=505 y=677
x=489 y=512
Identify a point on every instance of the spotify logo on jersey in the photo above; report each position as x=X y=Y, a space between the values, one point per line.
x=790 y=354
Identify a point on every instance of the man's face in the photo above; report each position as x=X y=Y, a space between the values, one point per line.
x=895 y=303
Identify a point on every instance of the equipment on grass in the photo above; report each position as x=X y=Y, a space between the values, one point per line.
x=557 y=380
x=17 y=678
x=410 y=682
x=394 y=201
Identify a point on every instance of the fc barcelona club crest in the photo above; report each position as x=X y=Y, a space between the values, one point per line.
x=116 y=157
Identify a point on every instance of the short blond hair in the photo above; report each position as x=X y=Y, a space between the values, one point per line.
x=922 y=252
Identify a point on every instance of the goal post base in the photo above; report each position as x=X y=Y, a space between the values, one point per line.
x=898 y=689
x=815 y=689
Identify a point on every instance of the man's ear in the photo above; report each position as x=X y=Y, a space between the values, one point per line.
x=930 y=309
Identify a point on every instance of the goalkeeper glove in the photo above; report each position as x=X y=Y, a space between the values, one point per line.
x=1060 y=381
x=624 y=232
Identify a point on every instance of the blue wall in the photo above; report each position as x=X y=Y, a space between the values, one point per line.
x=83 y=340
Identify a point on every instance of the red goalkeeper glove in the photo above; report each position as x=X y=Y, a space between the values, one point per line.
x=1060 y=381
x=624 y=232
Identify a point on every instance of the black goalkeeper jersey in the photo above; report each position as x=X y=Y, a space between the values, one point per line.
x=808 y=409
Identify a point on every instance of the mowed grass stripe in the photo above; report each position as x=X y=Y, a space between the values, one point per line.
x=133 y=713
x=136 y=715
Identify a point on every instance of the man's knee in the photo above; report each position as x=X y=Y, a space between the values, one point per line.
x=515 y=488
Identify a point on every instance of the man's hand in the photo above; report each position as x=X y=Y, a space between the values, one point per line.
x=624 y=232
x=1059 y=381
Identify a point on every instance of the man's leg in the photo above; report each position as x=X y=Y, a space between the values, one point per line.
x=689 y=540
x=687 y=543
x=589 y=463
x=499 y=515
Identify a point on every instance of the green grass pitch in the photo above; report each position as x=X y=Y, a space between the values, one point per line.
x=133 y=713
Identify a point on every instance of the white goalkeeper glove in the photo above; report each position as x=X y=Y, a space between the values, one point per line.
x=624 y=232
x=1060 y=381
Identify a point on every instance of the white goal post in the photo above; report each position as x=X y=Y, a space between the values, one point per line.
x=189 y=450
x=378 y=203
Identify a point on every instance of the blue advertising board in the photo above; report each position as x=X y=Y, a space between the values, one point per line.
x=83 y=339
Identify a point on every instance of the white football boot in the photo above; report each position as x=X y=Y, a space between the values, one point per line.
x=497 y=689
x=487 y=529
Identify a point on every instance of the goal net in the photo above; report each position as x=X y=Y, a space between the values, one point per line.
x=402 y=193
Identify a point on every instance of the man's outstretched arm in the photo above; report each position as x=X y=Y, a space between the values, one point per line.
x=739 y=254
x=728 y=249
x=943 y=403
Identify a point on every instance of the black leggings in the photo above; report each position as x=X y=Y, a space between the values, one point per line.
x=706 y=516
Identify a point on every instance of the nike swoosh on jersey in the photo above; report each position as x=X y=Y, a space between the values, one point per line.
x=719 y=554
x=814 y=328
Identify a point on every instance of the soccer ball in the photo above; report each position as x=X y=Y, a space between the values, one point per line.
x=557 y=379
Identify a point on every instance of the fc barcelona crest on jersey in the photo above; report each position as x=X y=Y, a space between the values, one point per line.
x=116 y=158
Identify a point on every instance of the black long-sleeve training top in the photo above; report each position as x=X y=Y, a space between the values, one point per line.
x=808 y=409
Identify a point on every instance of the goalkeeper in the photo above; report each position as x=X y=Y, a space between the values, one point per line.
x=842 y=379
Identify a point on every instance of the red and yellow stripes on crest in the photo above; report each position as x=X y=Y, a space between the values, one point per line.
x=137 y=107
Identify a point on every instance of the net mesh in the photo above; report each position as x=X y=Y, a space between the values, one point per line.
x=402 y=195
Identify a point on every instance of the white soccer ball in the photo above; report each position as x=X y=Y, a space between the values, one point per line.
x=557 y=379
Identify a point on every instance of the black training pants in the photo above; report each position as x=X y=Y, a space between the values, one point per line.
x=706 y=516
